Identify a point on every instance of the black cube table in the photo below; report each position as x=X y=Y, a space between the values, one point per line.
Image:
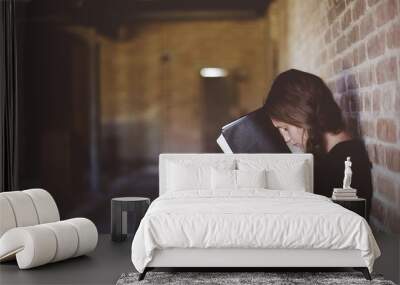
x=119 y=215
x=357 y=205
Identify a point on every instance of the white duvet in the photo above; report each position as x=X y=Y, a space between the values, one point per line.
x=250 y=219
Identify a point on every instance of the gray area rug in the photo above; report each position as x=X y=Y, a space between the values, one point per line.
x=228 y=278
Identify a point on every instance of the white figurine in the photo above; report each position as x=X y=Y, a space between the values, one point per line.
x=347 y=174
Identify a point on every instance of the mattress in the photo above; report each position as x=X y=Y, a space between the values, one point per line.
x=251 y=219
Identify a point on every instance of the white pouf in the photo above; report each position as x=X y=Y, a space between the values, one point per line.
x=23 y=209
x=31 y=232
x=45 y=205
x=7 y=219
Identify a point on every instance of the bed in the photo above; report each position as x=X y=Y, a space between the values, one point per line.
x=247 y=210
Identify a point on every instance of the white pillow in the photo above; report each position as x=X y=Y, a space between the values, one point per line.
x=181 y=177
x=281 y=174
x=193 y=174
x=223 y=179
x=293 y=179
x=251 y=178
x=226 y=179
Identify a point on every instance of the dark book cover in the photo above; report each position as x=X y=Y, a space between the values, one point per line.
x=252 y=133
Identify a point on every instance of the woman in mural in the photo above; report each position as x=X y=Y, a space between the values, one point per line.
x=302 y=107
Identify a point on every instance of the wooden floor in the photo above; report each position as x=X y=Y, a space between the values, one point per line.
x=110 y=259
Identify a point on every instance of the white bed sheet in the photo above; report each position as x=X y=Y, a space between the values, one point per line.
x=251 y=218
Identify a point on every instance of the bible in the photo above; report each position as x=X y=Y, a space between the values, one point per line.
x=252 y=133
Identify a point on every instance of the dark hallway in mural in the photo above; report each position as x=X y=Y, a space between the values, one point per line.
x=219 y=100
x=103 y=94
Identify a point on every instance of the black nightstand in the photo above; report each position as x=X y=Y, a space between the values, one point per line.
x=119 y=215
x=357 y=205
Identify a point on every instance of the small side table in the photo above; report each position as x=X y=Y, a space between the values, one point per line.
x=357 y=205
x=119 y=215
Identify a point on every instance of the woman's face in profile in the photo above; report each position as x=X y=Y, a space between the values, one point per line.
x=292 y=134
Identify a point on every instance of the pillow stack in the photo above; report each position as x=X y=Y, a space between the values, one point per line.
x=230 y=175
x=287 y=174
x=194 y=174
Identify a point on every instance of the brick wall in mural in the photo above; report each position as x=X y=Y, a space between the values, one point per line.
x=355 y=47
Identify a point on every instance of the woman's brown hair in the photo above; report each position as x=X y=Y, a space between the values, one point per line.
x=303 y=100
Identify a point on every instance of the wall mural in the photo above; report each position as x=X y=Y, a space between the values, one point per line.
x=99 y=105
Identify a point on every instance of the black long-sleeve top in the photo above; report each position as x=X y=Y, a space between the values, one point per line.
x=329 y=170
